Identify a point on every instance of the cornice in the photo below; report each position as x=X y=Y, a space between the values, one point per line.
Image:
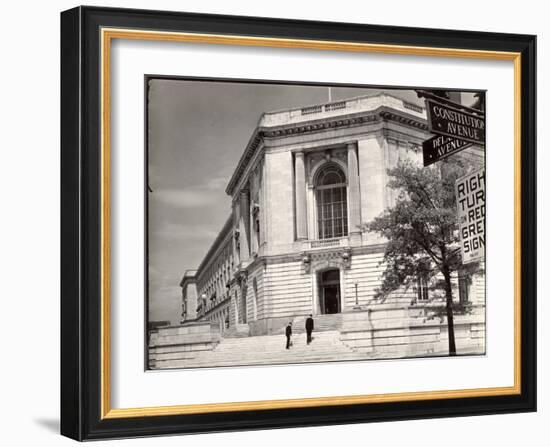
x=320 y=125
x=383 y=113
x=407 y=120
x=215 y=248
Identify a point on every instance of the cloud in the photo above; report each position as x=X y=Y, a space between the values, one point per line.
x=186 y=198
x=197 y=196
x=174 y=231
x=216 y=183
x=164 y=296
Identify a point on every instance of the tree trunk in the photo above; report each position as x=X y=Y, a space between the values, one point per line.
x=449 y=307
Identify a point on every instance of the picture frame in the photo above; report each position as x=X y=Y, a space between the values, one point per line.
x=87 y=35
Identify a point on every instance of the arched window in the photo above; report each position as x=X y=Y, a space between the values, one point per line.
x=332 y=207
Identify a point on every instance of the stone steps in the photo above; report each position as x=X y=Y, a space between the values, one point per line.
x=388 y=332
x=262 y=350
x=322 y=323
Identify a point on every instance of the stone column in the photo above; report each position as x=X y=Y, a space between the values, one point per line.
x=300 y=191
x=244 y=224
x=353 y=188
x=263 y=208
x=373 y=163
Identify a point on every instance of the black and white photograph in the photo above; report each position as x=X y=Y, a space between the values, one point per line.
x=275 y=224
x=294 y=223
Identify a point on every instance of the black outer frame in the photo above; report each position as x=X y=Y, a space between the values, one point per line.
x=80 y=223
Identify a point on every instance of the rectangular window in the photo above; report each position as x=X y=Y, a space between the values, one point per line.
x=332 y=214
x=463 y=287
x=422 y=288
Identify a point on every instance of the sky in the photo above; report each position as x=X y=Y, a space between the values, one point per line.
x=197 y=132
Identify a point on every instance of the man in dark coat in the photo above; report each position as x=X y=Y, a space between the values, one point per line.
x=309 y=328
x=288 y=333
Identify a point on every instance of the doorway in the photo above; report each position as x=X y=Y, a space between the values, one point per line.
x=329 y=282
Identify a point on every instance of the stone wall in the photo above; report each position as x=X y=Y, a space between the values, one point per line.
x=287 y=290
x=391 y=331
x=181 y=342
x=366 y=271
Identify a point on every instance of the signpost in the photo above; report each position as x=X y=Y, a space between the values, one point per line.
x=456 y=127
x=453 y=122
x=470 y=201
x=441 y=146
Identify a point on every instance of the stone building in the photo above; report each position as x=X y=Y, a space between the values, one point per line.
x=189 y=297
x=293 y=243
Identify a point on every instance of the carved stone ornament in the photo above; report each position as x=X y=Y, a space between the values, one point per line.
x=340 y=259
x=346 y=258
x=242 y=276
x=306 y=261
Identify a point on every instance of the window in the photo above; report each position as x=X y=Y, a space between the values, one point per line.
x=332 y=206
x=422 y=288
x=464 y=281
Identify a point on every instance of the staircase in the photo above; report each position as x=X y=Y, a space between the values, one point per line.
x=386 y=331
x=265 y=350
x=328 y=322
x=237 y=331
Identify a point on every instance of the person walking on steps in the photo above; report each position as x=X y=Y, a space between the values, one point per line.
x=309 y=328
x=288 y=333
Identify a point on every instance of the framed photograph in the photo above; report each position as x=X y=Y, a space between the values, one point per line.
x=271 y=223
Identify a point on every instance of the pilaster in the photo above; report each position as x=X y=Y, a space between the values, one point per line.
x=354 y=192
x=300 y=196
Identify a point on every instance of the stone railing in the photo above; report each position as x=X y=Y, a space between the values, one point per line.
x=335 y=106
x=311 y=110
x=324 y=108
x=352 y=105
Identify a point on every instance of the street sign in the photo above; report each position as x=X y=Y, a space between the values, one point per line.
x=453 y=122
x=441 y=146
x=470 y=201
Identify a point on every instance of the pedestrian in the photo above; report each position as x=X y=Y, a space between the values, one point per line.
x=309 y=328
x=288 y=333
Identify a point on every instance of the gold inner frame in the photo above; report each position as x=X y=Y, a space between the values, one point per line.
x=107 y=35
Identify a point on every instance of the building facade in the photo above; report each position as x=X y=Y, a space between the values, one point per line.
x=214 y=277
x=293 y=244
x=189 y=297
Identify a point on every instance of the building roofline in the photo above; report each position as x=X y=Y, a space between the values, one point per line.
x=353 y=98
x=249 y=150
x=219 y=238
x=262 y=128
x=188 y=276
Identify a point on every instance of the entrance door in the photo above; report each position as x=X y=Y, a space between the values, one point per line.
x=330 y=292
x=332 y=299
